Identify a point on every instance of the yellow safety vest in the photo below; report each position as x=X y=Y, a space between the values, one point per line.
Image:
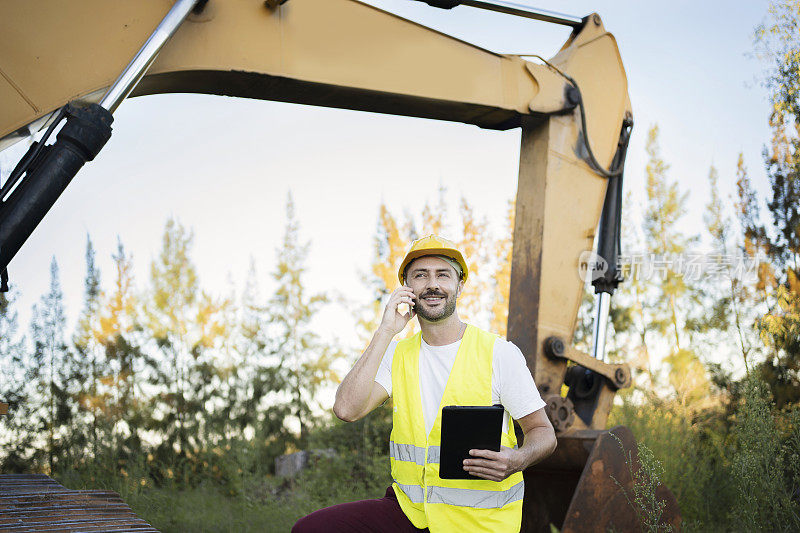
x=447 y=505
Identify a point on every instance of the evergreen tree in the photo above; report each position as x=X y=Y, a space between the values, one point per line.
x=15 y=439
x=306 y=358
x=232 y=368
x=779 y=45
x=733 y=302
x=118 y=332
x=749 y=291
x=88 y=360
x=264 y=377
x=712 y=317
x=666 y=205
x=186 y=324
x=49 y=374
x=782 y=163
x=755 y=241
x=780 y=326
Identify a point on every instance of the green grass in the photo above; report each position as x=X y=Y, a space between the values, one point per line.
x=264 y=505
x=210 y=509
x=251 y=500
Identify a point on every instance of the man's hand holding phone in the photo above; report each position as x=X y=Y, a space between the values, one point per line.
x=393 y=320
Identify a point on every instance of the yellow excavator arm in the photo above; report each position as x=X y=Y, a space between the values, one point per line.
x=333 y=53
x=574 y=112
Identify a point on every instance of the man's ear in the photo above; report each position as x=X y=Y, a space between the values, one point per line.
x=460 y=287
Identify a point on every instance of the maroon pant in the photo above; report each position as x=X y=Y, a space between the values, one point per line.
x=367 y=516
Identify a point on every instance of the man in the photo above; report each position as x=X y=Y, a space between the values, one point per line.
x=448 y=363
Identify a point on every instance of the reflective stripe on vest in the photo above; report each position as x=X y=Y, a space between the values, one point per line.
x=414 y=492
x=414 y=454
x=477 y=499
x=433 y=454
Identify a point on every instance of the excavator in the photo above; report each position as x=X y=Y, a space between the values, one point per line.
x=573 y=110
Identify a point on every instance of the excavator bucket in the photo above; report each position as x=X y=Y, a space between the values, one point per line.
x=587 y=485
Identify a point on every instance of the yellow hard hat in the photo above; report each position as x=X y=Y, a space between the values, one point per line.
x=433 y=245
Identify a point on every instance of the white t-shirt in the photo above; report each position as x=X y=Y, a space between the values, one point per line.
x=512 y=383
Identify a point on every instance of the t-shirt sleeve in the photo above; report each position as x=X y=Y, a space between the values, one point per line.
x=384 y=375
x=517 y=391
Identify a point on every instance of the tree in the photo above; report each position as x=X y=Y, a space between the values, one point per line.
x=186 y=323
x=118 y=333
x=780 y=326
x=778 y=44
x=49 y=373
x=263 y=376
x=482 y=300
x=305 y=357
x=749 y=296
x=390 y=245
x=15 y=439
x=665 y=206
x=475 y=298
x=717 y=308
x=88 y=361
x=434 y=218
x=784 y=205
x=501 y=282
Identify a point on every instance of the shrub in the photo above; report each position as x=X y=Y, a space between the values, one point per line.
x=760 y=469
x=646 y=478
x=360 y=467
x=691 y=449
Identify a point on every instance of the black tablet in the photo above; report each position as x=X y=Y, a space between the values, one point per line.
x=466 y=428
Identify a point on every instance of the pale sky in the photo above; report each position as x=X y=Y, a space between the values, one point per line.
x=223 y=166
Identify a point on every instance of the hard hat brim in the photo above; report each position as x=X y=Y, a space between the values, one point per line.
x=449 y=252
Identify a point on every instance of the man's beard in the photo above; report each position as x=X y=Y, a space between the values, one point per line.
x=436 y=315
